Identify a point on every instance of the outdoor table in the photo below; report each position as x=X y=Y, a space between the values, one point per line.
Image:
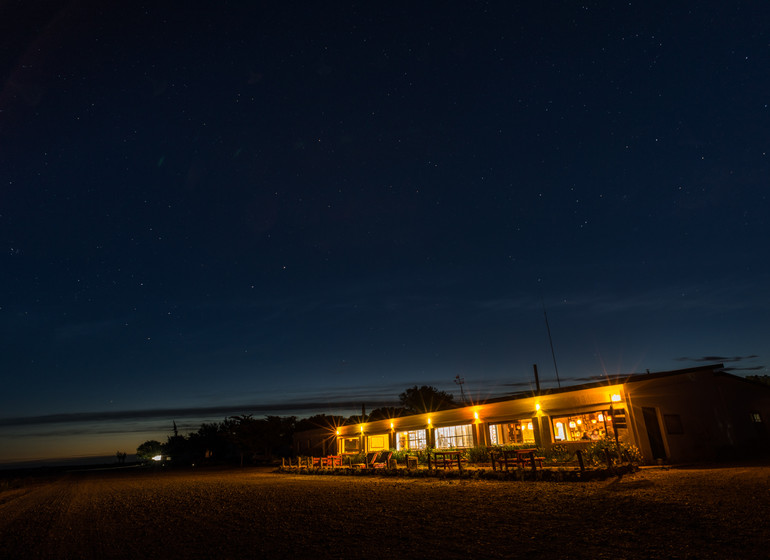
x=445 y=459
x=515 y=456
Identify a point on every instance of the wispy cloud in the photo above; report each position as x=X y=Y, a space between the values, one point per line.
x=194 y=412
x=714 y=359
x=726 y=360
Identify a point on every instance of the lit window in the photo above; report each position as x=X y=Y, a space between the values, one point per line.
x=415 y=440
x=378 y=443
x=349 y=445
x=581 y=426
x=454 y=436
x=559 y=429
x=494 y=434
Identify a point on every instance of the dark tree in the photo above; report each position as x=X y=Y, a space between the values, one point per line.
x=277 y=434
x=244 y=433
x=425 y=399
x=209 y=443
x=178 y=449
x=319 y=421
x=148 y=450
x=386 y=412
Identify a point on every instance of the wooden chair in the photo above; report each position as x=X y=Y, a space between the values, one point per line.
x=371 y=457
x=383 y=462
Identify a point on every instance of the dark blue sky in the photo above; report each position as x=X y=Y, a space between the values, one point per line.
x=215 y=209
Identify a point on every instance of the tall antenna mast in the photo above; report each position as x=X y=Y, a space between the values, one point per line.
x=460 y=380
x=550 y=341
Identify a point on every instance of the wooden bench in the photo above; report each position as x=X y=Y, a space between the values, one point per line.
x=447 y=459
x=516 y=457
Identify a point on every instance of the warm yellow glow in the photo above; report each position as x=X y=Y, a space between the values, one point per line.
x=362 y=428
x=615 y=398
x=391 y=425
x=537 y=406
x=476 y=415
x=559 y=431
x=428 y=421
x=601 y=417
x=572 y=425
x=338 y=432
x=579 y=422
x=529 y=426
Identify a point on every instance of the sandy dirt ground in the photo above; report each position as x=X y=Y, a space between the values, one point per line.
x=254 y=513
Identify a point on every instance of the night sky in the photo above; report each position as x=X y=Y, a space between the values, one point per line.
x=217 y=208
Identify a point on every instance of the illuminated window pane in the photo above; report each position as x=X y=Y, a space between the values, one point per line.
x=494 y=434
x=515 y=432
x=414 y=440
x=584 y=426
x=350 y=445
x=378 y=443
x=454 y=436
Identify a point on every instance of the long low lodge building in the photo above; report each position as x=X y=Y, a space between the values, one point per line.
x=686 y=415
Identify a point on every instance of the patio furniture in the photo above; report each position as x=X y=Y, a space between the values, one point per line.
x=333 y=461
x=516 y=457
x=383 y=461
x=368 y=463
x=446 y=459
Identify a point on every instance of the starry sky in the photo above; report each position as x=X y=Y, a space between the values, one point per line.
x=217 y=208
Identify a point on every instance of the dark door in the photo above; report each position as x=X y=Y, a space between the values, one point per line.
x=653 y=432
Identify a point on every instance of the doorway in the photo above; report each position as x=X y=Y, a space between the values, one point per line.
x=653 y=432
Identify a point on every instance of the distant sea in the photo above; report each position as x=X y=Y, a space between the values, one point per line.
x=66 y=462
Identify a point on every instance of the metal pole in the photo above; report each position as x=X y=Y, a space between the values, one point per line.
x=550 y=341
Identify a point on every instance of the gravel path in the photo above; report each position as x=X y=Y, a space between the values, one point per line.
x=678 y=513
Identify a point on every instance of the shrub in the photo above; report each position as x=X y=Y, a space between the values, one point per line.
x=423 y=456
x=358 y=458
x=400 y=456
x=559 y=453
x=596 y=452
x=478 y=455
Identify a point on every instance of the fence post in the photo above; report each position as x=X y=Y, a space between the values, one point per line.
x=580 y=460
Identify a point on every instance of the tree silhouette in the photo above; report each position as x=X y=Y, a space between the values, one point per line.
x=148 y=450
x=425 y=399
x=386 y=413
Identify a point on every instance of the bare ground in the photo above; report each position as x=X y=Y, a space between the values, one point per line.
x=678 y=513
